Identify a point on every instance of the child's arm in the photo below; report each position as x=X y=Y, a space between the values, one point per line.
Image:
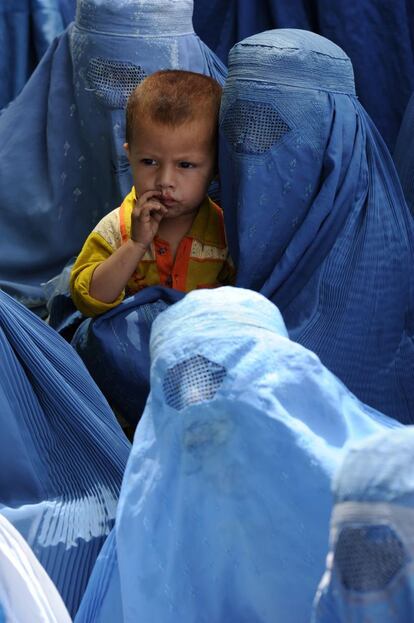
x=111 y=276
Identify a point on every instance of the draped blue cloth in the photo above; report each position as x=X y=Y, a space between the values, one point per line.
x=115 y=349
x=404 y=154
x=62 y=453
x=370 y=569
x=67 y=10
x=225 y=503
x=62 y=162
x=315 y=215
x=27 y=594
x=221 y=24
x=377 y=35
x=27 y=28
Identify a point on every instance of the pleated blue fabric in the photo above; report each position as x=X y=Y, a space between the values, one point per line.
x=27 y=595
x=315 y=215
x=225 y=504
x=115 y=349
x=404 y=154
x=27 y=28
x=63 y=166
x=377 y=35
x=370 y=570
x=62 y=452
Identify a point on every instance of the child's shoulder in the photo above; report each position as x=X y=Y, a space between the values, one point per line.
x=115 y=226
x=109 y=228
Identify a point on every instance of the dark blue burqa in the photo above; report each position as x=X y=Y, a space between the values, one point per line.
x=378 y=36
x=316 y=218
x=404 y=154
x=27 y=28
x=62 y=162
x=62 y=453
x=115 y=349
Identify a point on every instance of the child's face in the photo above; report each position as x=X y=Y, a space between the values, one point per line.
x=178 y=162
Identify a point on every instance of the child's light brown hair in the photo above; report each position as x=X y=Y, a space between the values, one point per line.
x=171 y=97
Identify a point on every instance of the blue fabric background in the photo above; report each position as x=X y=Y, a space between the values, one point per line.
x=378 y=36
x=404 y=154
x=27 y=28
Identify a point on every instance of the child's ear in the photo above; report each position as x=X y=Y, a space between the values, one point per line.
x=126 y=147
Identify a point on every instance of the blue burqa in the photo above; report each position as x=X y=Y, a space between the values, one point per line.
x=62 y=162
x=27 y=28
x=315 y=215
x=404 y=154
x=378 y=36
x=225 y=504
x=115 y=349
x=370 y=568
x=62 y=453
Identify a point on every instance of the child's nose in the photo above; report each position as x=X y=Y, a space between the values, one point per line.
x=165 y=177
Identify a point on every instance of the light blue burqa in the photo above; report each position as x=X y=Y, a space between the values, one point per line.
x=62 y=162
x=62 y=453
x=225 y=504
x=315 y=215
x=370 y=567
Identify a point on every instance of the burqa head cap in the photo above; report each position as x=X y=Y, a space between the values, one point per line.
x=136 y=17
x=295 y=58
x=215 y=314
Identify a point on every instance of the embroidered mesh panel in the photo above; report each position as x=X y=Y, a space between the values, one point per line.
x=253 y=127
x=113 y=81
x=192 y=381
x=368 y=557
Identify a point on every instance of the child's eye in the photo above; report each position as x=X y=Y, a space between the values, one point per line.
x=186 y=165
x=148 y=162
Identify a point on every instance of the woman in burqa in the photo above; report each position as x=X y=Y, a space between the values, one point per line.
x=62 y=452
x=315 y=215
x=225 y=504
x=62 y=162
x=370 y=571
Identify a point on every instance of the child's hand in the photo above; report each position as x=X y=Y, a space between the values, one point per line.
x=146 y=216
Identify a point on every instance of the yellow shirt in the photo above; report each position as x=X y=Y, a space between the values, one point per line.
x=202 y=259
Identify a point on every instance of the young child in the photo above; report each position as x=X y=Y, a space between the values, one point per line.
x=167 y=231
